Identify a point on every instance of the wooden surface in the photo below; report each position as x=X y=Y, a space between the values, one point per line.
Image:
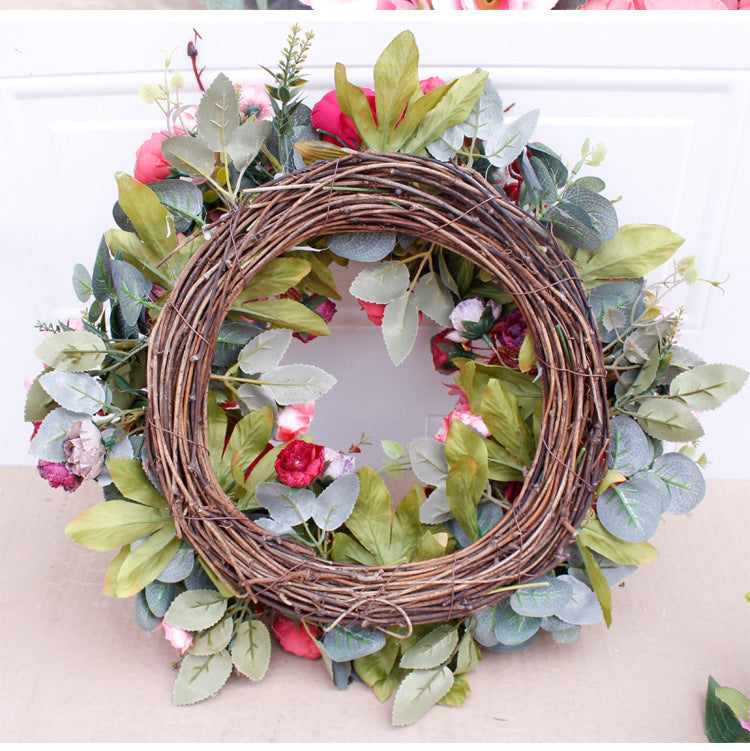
x=75 y=667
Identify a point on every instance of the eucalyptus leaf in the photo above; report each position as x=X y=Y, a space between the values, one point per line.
x=159 y=596
x=366 y=247
x=486 y=116
x=629 y=449
x=336 y=502
x=264 y=351
x=428 y=461
x=573 y=225
x=131 y=289
x=489 y=514
x=287 y=506
x=179 y=567
x=399 y=327
x=706 y=387
x=196 y=609
x=47 y=444
x=512 y=628
x=625 y=297
x=82 y=285
x=566 y=635
x=201 y=677
x=420 y=690
x=601 y=212
x=145 y=619
x=345 y=643
x=101 y=278
x=582 y=608
x=685 y=483
x=182 y=198
x=513 y=648
x=381 y=282
x=541 y=601
x=251 y=649
x=593 y=535
x=297 y=384
x=233 y=336
x=631 y=510
x=505 y=144
x=76 y=392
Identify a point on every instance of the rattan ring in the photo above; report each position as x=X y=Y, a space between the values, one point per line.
x=459 y=211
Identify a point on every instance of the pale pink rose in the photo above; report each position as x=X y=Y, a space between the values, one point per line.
x=338 y=464
x=471 y=310
x=254 y=100
x=187 y=119
x=177 y=637
x=293 y=421
x=84 y=450
x=341 y=4
x=464 y=415
x=661 y=5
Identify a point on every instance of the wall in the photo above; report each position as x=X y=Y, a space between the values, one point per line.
x=669 y=94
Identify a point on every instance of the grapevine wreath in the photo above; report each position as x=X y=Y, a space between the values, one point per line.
x=548 y=477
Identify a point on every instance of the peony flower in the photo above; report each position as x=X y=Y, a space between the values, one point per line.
x=335 y=126
x=299 y=463
x=58 y=476
x=338 y=464
x=84 y=450
x=254 y=102
x=293 y=421
x=373 y=310
x=177 y=637
x=474 y=317
x=294 y=638
x=150 y=164
x=509 y=334
x=463 y=414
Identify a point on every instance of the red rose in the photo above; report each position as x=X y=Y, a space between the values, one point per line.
x=150 y=164
x=294 y=638
x=335 y=126
x=373 y=310
x=299 y=463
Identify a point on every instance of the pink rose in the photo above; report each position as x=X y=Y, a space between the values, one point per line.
x=463 y=414
x=58 y=476
x=661 y=5
x=323 y=306
x=299 y=463
x=428 y=84
x=177 y=637
x=84 y=450
x=254 y=102
x=293 y=421
x=294 y=638
x=150 y=164
x=335 y=126
x=373 y=310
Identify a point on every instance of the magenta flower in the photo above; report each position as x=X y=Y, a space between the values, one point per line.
x=58 y=476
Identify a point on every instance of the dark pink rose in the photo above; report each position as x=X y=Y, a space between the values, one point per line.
x=323 y=306
x=299 y=463
x=428 y=84
x=150 y=164
x=58 y=476
x=335 y=126
x=293 y=637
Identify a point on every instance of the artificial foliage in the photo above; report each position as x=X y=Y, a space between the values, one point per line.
x=91 y=410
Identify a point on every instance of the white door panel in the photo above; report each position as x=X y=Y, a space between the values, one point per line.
x=670 y=98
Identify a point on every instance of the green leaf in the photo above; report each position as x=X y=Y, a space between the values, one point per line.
x=458 y=693
x=334 y=505
x=396 y=80
x=189 y=155
x=131 y=480
x=275 y=278
x=370 y=521
x=345 y=643
x=593 y=535
x=251 y=650
x=218 y=115
x=346 y=549
x=246 y=142
x=541 y=601
x=297 y=384
x=287 y=314
x=146 y=561
x=468 y=654
x=77 y=392
x=428 y=462
x=159 y=596
x=399 y=327
x=463 y=488
x=196 y=609
x=721 y=724
x=264 y=352
x=598 y=582
x=433 y=649
x=685 y=483
x=513 y=629
x=381 y=282
x=420 y=690
x=508 y=141
x=461 y=440
x=367 y=247
x=213 y=639
x=130 y=248
x=629 y=448
x=131 y=289
x=110 y=577
x=38 y=402
x=631 y=510
x=668 y=420
x=72 y=351
x=736 y=701
x=113 y=524
x=378 y=668
x=82 y=282
x=634 y=251
x=249 y=437
x=406 y=530
x=707 y=386
x=152 y=221
x=353 y=103
x=433 y=299
x=502 y=417
x=201 y=677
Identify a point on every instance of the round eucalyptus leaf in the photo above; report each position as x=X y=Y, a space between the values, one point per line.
x=367 y=247
x=625 y=298
x=179 y=567
x=145 y=619
x=553 y=623
x=631 y=510
x=511 y=628
x=614 y=573
x=159 y=596
x=510 y=648
x=685 y=483
x=582 y=608
x=198 y=578
x=488 y=515
x=342 y=674
x=539 y=602
x=629 y=447
x=565 y=636
x=345 y=643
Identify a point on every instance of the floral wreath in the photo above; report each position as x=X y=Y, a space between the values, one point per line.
x=93 y=405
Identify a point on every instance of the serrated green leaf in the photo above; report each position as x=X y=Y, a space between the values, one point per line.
x=420 y=690
x=297 y=384
x=245 y=143
x=147 y=561
x=201 y=677
x=428 y=460
x=38 y=402
x=433 y=649
x=251 y=650
x=77 y=392
x=214 y=639
x=218 y=115
x=131 y=480
x=381 y=283
x=668 y=420
x=189 y=155
x=72 y=351
x=468 y=654
x=264 y=352
x=334 y=505
x=113 y=524
x=196 y=609
x=399 y=327
x=706 y=387
x=460 y=441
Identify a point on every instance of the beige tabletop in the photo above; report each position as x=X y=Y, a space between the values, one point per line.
x=75 y=667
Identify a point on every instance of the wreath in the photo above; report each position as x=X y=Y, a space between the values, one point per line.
x=548 y=477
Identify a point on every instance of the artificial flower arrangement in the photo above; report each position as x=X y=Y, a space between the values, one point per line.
x=90 y=405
